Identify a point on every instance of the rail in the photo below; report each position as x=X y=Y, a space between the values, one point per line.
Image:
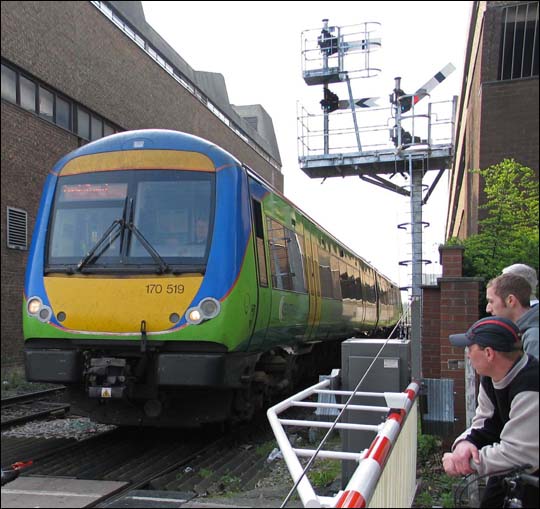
x=30 y=396
x=369 y=484
x=31 y=406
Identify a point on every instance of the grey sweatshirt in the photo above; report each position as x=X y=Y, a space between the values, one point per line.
x=528 y=325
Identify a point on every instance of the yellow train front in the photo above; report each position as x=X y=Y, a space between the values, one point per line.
x=167 y=285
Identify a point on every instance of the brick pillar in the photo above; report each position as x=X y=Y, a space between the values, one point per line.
x=452 y=260
x=431 y=337
x=459 y=301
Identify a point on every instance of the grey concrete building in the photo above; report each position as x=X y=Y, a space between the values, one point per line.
x=498 y=106
x=76 y=71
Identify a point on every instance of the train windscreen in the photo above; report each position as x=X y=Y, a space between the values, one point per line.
x=134 y=220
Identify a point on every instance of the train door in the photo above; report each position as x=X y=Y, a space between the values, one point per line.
x=369 y=295
x=313 y=282
x=381 y=301
x=378 y=303
x=360 y=301
x=264 y=293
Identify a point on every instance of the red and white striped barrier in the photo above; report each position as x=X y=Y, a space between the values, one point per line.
x=362 y=484
x=364 y=480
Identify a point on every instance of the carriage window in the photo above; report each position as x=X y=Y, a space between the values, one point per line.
x=259 y=240
x=336 y=287
x=369 y=292
x=286 y=258
x=324 y=273
x=357 y=285
x=174 y=217
x=171 y=211
x=82 y=215
x=347 y=280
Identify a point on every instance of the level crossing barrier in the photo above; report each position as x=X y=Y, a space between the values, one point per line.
x=386 y=472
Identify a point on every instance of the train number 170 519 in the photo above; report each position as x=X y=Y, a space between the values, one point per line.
x=156 y=288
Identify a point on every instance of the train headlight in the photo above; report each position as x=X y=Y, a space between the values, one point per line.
x=37 y=309
x=33 y=306
x=45 y=314
x=207 y=309
x=194 y=316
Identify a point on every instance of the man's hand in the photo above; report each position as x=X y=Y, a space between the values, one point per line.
x=459 y=462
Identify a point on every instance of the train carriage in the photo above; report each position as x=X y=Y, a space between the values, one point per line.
x=168 y=285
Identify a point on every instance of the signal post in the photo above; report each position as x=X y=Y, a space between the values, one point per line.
x=417 y=141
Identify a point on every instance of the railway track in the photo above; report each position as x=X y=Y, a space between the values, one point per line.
x=201 y=462
x=31 y=406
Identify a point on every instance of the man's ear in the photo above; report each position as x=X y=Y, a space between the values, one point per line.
x=490 y=352
x=512 y=300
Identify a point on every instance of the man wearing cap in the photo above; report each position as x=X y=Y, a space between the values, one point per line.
x=504 y=431
x=508 y=295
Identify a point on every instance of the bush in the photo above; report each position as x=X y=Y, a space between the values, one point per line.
x=428 y=445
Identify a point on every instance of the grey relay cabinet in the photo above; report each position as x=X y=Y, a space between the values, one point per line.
x=390 y=372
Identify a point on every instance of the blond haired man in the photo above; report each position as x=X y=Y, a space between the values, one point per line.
x=508 y=295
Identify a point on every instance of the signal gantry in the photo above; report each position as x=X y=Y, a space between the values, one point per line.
x=357 y=137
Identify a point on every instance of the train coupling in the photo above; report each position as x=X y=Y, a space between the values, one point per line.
x=106 y=378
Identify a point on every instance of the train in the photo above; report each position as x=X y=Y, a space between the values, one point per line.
x=169 y=285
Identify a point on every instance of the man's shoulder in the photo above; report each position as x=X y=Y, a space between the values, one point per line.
x=527 y=379
x=524 y=378
x=528 y=320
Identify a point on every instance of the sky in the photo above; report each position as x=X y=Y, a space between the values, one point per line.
x=257 y=48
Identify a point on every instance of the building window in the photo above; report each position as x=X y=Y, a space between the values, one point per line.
x=28 y=94
x=17 y=222
x=46 y=104
x=252 y=121
x=107 y=129
x=96 y=128
x=518 y=57
x=63 y=113
x=83 y=123
x=9 y=84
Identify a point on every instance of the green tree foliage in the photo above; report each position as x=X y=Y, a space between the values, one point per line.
x=509 y=231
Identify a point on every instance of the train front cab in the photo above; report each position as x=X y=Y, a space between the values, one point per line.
x=113 y=308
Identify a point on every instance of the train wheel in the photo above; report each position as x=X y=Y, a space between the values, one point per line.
x=249 y=400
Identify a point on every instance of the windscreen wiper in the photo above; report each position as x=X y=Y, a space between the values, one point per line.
x=155 y=255
x=90 y=255
x=117 y=222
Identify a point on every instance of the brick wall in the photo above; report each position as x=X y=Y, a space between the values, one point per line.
x=75 y=49
x=30 y=147
x=497 y=120
x=431 y=340
x=449 y=308
x=509 y=126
